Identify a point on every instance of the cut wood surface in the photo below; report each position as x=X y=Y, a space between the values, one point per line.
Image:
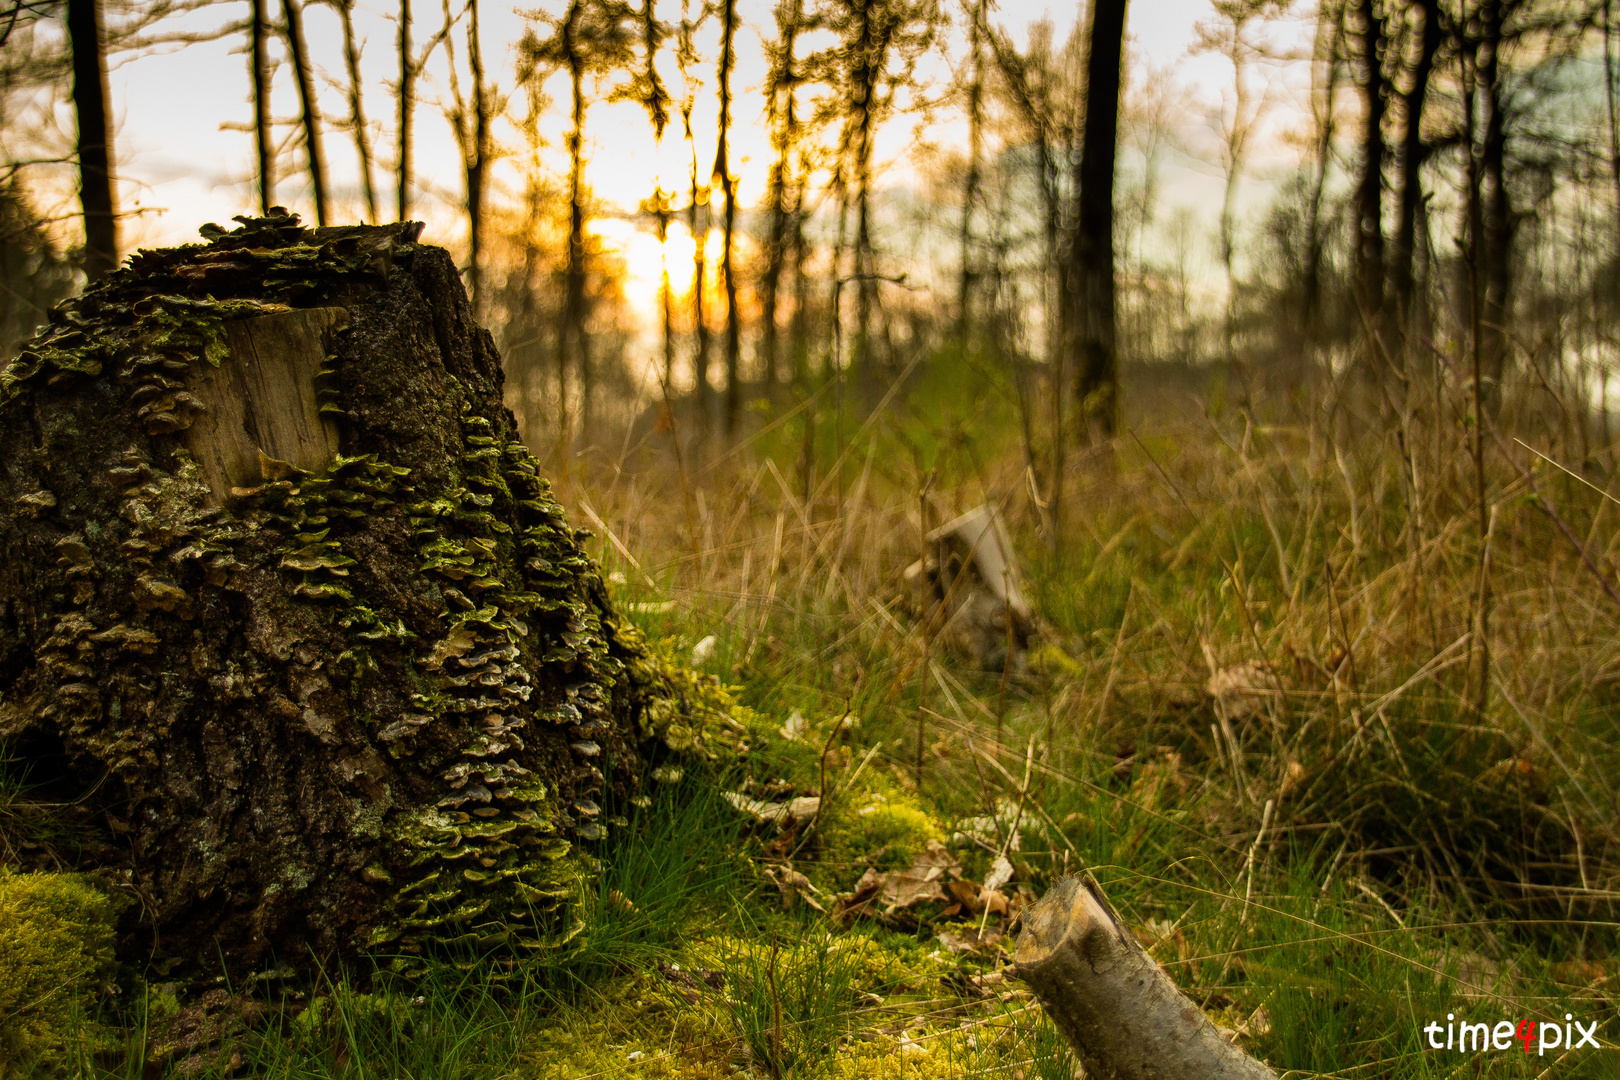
x=1120 y=1012
x=262 y=399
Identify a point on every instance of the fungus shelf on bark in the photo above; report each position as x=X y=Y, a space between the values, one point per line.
x=325 y=660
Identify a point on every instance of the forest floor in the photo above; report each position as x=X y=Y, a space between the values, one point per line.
x=1257 y=712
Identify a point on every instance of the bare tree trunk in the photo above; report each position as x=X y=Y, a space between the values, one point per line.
x=1094 y=346
x=258 y=30
x=1414 y=153
x=1496 y=254
x=799 y=324
x=90 y=102
x=700 y=323
x=1370 y=185
x=477 y=160
x=866 y=50
x=655 y=99
x=728 y=185
x=571 y=339
x=309 y=105
x=1058 y=315
x=357 y=113
x=1609 y=94
x=970 y=183
x=781 y=96
x=1124 y=1017
x=1332 y=20
x=407 y=91
x=865 y=271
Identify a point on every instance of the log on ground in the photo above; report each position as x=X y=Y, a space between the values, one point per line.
x=1117 y=1008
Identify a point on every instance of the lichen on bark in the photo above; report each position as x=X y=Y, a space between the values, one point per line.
x=373 y=702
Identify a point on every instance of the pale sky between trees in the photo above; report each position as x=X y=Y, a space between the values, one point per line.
x=184 y=155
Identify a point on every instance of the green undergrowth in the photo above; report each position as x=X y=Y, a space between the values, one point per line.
x=1325 y=870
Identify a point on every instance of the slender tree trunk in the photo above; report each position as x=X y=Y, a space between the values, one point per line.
x=865 y=271
x=571 y=340
x=728 y=185
x=1497 y=213
x=868 y=67
x=477 y=160
x=834 y=366
x=970 y=183
x=665 y=300
x=700 y=324
x=1315 y=240
x=1370 y=184
x=1609 y=94
x=309 y=105
x=357 y=113
x=407 y=91
x=799 y=324
x=1092 y=258
x=655 y=99
x=90 y=102
x=781 y=102
x=1237 y=139
x=1414 y=153
x=258 y=32
x=1058 y=315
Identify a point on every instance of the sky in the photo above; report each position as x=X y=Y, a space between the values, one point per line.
x=184 y=156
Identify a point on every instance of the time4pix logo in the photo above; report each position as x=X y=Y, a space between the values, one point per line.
x=1532 y=1035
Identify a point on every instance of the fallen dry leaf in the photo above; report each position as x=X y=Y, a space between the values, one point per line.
x=970 y=941
x=780 y=813
x=1242 y=690
x=922 y=880
x=793 y=885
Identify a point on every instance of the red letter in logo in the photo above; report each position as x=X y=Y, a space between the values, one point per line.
x=1525 y=1032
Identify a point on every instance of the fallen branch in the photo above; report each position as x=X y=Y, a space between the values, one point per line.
x=1120 y=1012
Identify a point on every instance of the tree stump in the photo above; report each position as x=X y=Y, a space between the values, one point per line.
x=289 y=616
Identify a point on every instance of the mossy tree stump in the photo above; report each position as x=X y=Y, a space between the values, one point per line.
x=286 y=610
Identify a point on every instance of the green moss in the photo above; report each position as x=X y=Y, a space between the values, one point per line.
x=56 y=936
x=878 y=824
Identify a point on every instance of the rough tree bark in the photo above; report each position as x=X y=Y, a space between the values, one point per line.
x=1116 y=1007
x=1371 y=40
x=312 y=649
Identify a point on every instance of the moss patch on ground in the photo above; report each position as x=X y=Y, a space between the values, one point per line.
x=56 y=943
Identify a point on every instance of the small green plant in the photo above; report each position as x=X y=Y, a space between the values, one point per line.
x=1049 y=1051
x=792 y=1002
x=451 y=1023
x=673 y=866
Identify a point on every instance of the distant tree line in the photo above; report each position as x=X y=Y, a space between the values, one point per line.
x=1458 y=202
